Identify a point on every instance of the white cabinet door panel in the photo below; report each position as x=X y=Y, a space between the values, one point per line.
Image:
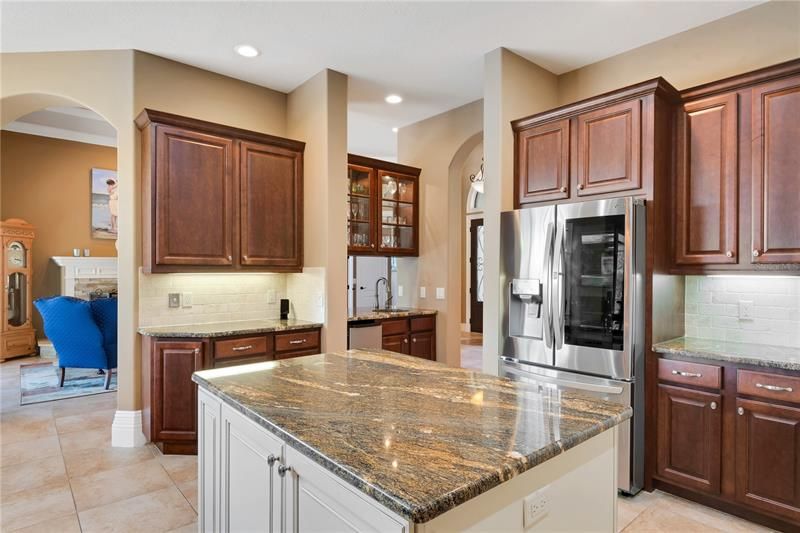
x=208 y=442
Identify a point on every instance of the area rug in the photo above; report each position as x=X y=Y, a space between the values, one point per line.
x=38 y=382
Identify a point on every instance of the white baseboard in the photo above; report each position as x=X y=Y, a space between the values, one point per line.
x=126 y=431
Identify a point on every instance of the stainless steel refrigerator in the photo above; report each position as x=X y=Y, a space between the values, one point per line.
x=573 y=308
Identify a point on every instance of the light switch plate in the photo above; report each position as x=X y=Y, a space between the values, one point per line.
x=746 y=311
x=400 y=290
x=440 y=293
x=186 y=299
x=174 y=299
x=423 y=292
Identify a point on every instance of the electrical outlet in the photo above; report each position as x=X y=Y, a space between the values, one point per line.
x=174 y=299
x=271 y=296
x=399 y=290
x=423 y=292
x=186 y=299
x=536 y=507
x=745 y=310
x=440 y=293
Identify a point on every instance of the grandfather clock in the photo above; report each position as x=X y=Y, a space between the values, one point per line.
x=17 y=336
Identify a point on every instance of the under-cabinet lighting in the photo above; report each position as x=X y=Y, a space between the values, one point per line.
x=747 y=276
x=394 y=99
x=247 y=50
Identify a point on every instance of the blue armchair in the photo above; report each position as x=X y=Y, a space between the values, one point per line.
x=83 y=333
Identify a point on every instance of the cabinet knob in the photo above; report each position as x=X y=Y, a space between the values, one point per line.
x=756 y=253
x=713 y=406
x=580 y=186
x=271 y=460
x=372 y=245
x=283 y=469
x=405 y=341
x=197 y=351
x=413 y=340
x=563 y=189
x=740 y=411
x=729 y=254
x=230 y=258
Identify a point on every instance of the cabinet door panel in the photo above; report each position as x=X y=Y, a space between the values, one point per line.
x=776 y=172
x=174 y=393
x=423 y=345
x=208 y=454
x=609 y=149
x=396 y=343
x=543 y=162
x=707 y=186
x=768 y=457
x=193 y=198
x=271 y=204
x=689 y=433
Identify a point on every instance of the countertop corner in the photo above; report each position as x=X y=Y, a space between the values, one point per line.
x=764 y=355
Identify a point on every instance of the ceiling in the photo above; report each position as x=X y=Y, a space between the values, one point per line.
x=69 y=123
x=431 y=53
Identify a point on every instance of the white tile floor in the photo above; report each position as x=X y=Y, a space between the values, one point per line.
x=58 y=472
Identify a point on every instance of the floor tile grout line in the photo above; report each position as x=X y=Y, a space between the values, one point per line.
x=66 y=473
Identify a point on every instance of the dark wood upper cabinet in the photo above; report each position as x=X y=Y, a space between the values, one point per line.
x=768 y=457
x=609 y=149
x=776 y=171
x=219 y=199
x=599 y=147
x=689 y=437
x=383 y=207
x=707 y=185
x=270 y=206
x=543 y=162
x=193 y=189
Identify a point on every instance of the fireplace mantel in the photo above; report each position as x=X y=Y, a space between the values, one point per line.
x=84 y=268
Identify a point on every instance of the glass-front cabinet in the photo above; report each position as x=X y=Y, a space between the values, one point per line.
x=383 y=204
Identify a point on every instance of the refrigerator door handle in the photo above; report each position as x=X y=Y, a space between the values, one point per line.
x=557 y=279
x=547 y=286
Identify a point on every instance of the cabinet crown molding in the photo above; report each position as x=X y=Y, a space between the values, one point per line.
x=740 y=81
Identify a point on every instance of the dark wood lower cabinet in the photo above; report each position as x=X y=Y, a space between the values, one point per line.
x=411 y=336
x=689 y=433
x=169 y=414
x=423 y=344
x=396 y=343
x=768 y=457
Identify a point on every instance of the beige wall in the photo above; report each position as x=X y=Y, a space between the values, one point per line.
x=317 y=114
x=432 y=145
x=472 y=164
x=748 y=40
x=47 y=182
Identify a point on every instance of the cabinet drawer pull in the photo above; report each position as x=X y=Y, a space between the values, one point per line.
x=299 y=341
x=713 y=406
x=283 y=469
x=242 y=348
x=774 y=388
x=740 y=411
x=687 y=374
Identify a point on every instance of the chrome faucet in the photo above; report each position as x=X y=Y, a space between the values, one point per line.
x=388 y=294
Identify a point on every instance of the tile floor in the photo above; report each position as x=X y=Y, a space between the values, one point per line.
x=471 y=350
x=58 y=472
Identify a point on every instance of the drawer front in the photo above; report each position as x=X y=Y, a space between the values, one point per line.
x=222 y=363
x=241 y=347
x=709 y=376
x=296 y=341
x=423 y=323
x=395 y=327
x=768 y=385
x=301 y=353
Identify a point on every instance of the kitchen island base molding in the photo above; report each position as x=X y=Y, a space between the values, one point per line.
x=249 y=479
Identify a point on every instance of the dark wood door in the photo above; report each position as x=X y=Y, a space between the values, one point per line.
x=174 y=408
x=396 y=343
x=423 y=344
x=270 y=206
x=689 y=437
x=776 y=172
x=609 y=149
x=193 y=198
x=768 y=457
x=543 y=162
x=476 y=275
x=706 y=222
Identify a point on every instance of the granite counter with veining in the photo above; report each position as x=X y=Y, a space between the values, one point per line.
x=372 y=314
x=768 y=356
x=417 y=436
x=228 y=329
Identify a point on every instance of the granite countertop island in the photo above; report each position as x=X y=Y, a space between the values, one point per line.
x=228 y=329
x=769 y=356
x=417 y=436
x=371 y=314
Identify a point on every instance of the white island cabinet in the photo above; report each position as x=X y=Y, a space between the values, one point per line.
x=251 y=481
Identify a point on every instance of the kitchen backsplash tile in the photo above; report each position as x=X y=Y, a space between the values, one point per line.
x=215 y=297
x=712 y=309
x=306 y=290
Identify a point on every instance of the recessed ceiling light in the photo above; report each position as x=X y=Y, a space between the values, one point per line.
x=394 y=99
x=394 y=130
x=246 y=50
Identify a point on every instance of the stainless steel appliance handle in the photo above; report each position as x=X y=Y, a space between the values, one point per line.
x=547 y=269
x=577 y=385
x=557 y=277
